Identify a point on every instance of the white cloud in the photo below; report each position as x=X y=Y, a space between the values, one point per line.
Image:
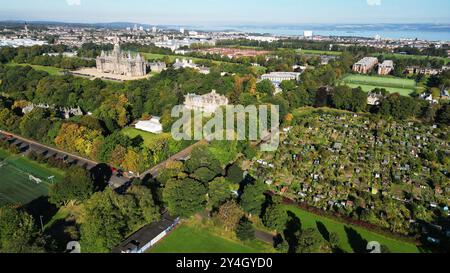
x=374 y=2
x=73 y=2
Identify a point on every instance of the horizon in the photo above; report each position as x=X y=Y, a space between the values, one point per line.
x=217 y=12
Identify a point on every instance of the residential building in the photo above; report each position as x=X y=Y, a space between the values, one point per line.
x=183 y=63
x=207 y=103
x=190 y=64
x=386 y=67
x=422 y=70
x=157 y=67
x=365 y=65
x=234 y=52
x=374 y=99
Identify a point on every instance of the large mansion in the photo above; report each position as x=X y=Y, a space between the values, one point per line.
x=120 y=63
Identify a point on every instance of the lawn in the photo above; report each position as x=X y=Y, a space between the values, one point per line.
x=148 y=138
x=15 y=184
x=186 y=239
x=351 y=237
x=49 y=69
x=393 y=85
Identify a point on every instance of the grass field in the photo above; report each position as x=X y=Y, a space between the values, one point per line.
x=320 y=52
x=49 y=69
x=186 y=239
x=149 y=138
x=393 y=85
x=15 y=184
x=351 y=237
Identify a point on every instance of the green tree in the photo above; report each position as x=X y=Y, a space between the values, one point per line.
x=203 y=175
x=245 y=230
x=36 y=124
x=145 y=210
x=104 y=225
x=443 y=116
x=346 y=98
x=202 y=157
x=265 y=87
x=219 y=191
x=77 y=186
x=253 y=198
x=16 y=231
x=184 y=197
x=311 y=241
x=109 y=217
x=275 y=217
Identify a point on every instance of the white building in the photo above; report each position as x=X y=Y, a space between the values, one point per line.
x=184 y=64
x=152 y=126
x=207 y=103
x=64 y=54
x=176 y=44
x=20 y=42
x=278 y=77
x=374 y=99
x=308 y=34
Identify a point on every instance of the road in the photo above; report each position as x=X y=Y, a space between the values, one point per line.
x=264 y=236
x=179 y=156
x=45 y=147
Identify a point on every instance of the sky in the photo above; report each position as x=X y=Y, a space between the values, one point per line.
x=217 y=12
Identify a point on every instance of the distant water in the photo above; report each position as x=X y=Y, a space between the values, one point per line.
x=431 y=32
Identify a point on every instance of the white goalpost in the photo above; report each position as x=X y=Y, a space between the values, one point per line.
x=34 y=179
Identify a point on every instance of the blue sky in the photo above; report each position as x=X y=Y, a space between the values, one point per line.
x=215 y=12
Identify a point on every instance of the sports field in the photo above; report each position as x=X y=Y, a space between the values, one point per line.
x=351 y=237
x=393 y=85
x=186 y=239
x=23 y=180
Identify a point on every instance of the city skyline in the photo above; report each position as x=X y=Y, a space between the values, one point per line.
x=215 y=12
